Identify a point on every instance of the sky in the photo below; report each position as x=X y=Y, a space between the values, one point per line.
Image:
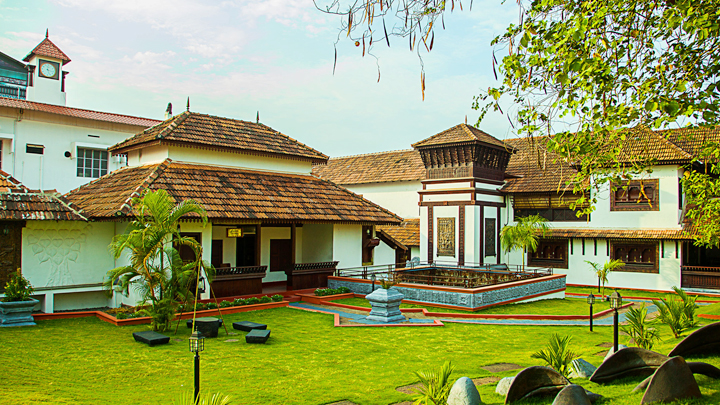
x=237 y=58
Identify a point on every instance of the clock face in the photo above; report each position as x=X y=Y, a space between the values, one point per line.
x=48 y=70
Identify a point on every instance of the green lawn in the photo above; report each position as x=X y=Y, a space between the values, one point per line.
x=568 y=306
x=629 y=293
x=713 y=309
x=306 y=361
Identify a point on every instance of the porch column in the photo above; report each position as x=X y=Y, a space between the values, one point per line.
x=292 y=242
x=258 y=245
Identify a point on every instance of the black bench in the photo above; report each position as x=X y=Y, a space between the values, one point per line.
x=189 y=322
x=208 y=326
x=247 y=326
x=257 y=336
x=151 y=338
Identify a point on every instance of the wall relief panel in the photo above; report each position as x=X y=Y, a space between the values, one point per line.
x=446 y=237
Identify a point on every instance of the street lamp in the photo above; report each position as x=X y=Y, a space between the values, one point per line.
x=615 y=303
x=591 y=301
x=372 y=288
x=197 y=344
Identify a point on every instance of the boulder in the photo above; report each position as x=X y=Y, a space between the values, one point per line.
x=611 y=351
x=581 y=369
x=535 y=381
x=703 y=341
x=572 y=395
x=504 y=385
x=628 y=362
x=672 y=381
x=464 y=392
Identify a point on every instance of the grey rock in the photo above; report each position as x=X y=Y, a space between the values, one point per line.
x=504 y=385
x=611 y=351
x=572 y=395
x=631 y=361
x=581 y=369
x=672 y=381
x=535 y=381
x=703 y=341
x=464 y=392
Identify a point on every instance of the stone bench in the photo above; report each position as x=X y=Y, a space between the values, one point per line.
x=189 y=321
x=257 y=336
x=151 y=338
x=208 y=326
x=247 y=326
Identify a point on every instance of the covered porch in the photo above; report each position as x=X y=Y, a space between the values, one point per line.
x=700 y=267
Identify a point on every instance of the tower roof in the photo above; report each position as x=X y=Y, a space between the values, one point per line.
x=462 y=133
x=48 y=49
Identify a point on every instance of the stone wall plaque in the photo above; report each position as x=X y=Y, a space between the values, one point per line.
x=446 y=237
x=490 y=232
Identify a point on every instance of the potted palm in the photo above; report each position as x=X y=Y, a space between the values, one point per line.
x=17 y=305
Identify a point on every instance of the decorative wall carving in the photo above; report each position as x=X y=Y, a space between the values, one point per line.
x=490 y=232
x=58 y=245
x=446 y=236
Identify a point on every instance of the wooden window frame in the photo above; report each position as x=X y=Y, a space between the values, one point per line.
x=535 y=261
x=634 y=266
x=642 y=203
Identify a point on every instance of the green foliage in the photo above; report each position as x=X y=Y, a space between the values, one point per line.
x=557 y=354
x=677 y=311
x=323 y=292
x=603 y=272
x=212 y=305
x=201 y=306
x=265 y=299
x=226 y=304
x=156 y=269
x=436 y=386
x=640 y=328
x=524 y=234
x=18 y=288
x=203 y=399
x=238 y=302
x=252 y=300
x=386 y=284
x=277 y=298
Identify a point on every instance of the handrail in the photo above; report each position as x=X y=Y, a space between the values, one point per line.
x=225 y=271
x=315 y=266
x=707 y=269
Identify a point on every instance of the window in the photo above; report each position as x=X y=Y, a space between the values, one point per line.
x=91 y=163
x=34 y=149
x=550 y=253
x=638 y=257
x=635 y=195
x=553 y=207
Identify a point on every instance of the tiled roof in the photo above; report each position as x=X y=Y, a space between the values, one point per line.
x=534 y=170
x=229 y=193
x=47 y=48
x=77 y=112
x=18 y=203
x=203 y=130
x=643 y=143
x=691 y=140
x=670 y=234
x=399 y=165
x=407 y=233
x=459 y=134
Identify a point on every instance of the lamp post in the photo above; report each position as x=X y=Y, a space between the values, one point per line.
x=372 y=287
x=615 y=303
x=591 y=301
x=197 y=344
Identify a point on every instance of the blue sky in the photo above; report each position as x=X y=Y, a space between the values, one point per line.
x=234 y=58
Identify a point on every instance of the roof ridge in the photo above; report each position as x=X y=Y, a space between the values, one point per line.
x=667 y=141
x=174 y=123
x=126 y=206
x=82 y=109
x=374 y=153
x=13 y=180
x=69 y=205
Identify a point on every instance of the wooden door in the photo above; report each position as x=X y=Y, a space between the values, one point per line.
x=186 y=253
x=217 y=253
x=281 y=257
x=10 y=250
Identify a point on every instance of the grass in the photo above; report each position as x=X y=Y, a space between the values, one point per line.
x=306 y=361
x=625 y=292
x=567 y=306
x=713 y=309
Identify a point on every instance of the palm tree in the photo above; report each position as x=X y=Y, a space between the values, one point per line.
x=603 y=272
x=524 y=234
x=155 y=267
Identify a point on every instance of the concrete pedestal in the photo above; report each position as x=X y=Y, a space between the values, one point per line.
x=385 y=305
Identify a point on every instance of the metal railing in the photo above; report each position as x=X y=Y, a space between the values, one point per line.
x=227 y=271
x=315 y=266
x=12 y=92
x=701 y=269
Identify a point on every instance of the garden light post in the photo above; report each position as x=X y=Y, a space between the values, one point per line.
x=591 y=301
x=615 y=303
x=372 y=286
x=197 y=344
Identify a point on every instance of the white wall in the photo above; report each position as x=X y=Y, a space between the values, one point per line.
x=240 y=160
x=46 y=90
x=400 y=197
x=317 y=243
x=347 y=245
x=383 y=254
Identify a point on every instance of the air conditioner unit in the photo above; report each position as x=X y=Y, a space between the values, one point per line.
x=118 y=159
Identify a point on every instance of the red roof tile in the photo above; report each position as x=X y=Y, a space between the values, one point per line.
x=77 y=112
x=534 y=170
x=669 y=234
x=47 y=48
x=230 y=194
x=193 y=129
x=407 y=233
x=18 y=203
x=459 y=134
x=400 y=165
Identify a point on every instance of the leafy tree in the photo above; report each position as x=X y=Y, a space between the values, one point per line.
x=603 y=272
x=588 y=74
x=640 y=328
x=155 y=268
x=524 y=234
x=557 y=354
x=677 y=312
x=436 y=386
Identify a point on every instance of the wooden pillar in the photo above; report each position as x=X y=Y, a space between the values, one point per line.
x=292 y=242
x=258 y=245
x=461 y=235
x=481 y=259
x=497 y=238
x=430 y=234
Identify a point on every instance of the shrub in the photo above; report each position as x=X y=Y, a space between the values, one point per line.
x=18 y=288
x=678 y=314
x=323 y=292
x=121 y=315
x=253 y=300
x=212 y=305
x=640 y=328
x=277 y=298
x=436 y=386
x=343 y=290
x=203 y=399
x=238 y=302
x=225 y=304
x=265 y=299
x=201 y=306
x=557 y=354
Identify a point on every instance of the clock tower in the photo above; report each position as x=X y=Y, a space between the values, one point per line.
x=46 y=79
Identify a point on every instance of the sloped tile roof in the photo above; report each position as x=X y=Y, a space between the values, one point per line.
x=533 y=170
x=399 y=165
x=691 y=140
x=459 y=134
x=203 y=130
x=669 y=234
x=47 y=48
x=18 y=203
x=229 y=193
x=643 y=143
x=77 y=112
x=407 y=233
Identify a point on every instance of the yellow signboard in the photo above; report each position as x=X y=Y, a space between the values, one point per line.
x=234 y=232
